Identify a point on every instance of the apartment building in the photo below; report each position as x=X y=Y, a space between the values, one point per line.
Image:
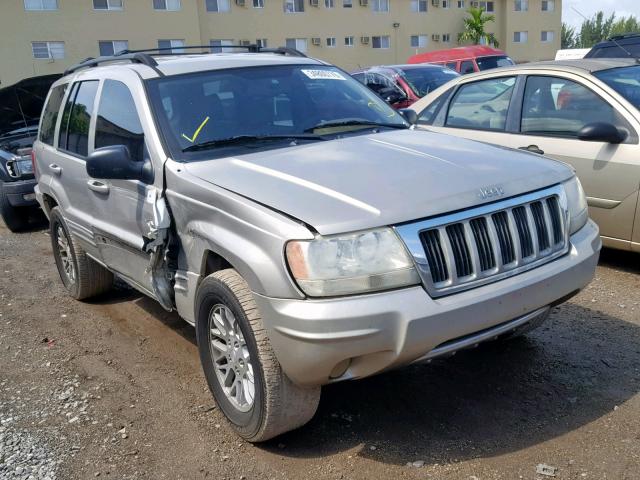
x=44 y=36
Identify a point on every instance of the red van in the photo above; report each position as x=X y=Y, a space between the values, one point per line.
x=474 y=58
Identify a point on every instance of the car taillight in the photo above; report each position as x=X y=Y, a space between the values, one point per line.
x=33 y=163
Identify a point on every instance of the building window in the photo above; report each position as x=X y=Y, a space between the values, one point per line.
x=218 y=5
x=348 y=41
x=446 y=37
x=293 y=6
x=169 y=5
x=419 y=5
x=418 y=41
x=347 y=3
x=520 y=37
x=40 y=4
x=111 y=47
x=547 y=36
x=299 y=44
x=174 y=45
x=51 y=50
x=380 y=41
x=329 y=3
x=258 y=3
x=331 y=42
x=261 y=42
x=216 y=46
x=445 y=3
x=521 y=5
x=107 y=4
x=460 y=3
x=548 y=5
x=486 y=6
x=380 y=5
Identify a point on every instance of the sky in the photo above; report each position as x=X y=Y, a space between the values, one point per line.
x=622 y=8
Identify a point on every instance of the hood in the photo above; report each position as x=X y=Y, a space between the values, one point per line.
x=22 y=102
x=367 y=181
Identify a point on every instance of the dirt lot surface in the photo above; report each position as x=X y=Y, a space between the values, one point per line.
x=113 y=389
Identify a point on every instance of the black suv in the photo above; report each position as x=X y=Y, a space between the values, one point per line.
x=619 y=46
x=20 y=108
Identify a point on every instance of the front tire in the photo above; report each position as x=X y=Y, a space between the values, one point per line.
x=240 y=366
x=82 y=276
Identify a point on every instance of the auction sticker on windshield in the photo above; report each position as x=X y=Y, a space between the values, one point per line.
x=323 y=75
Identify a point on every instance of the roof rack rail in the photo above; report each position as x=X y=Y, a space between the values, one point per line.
x=136 y=57
x=145 y=56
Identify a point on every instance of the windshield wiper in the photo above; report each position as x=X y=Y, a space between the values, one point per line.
x=240 y=139
x=363 y=123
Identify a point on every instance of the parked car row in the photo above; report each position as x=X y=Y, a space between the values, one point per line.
x=303 y=226
x=310 y=232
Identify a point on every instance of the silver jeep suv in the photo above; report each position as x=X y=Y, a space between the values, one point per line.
x=298 y=222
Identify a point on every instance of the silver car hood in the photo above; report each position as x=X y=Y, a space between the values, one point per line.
x=367 y=181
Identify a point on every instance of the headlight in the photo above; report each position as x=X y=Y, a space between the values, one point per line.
x=354 y=263
x=577 y=205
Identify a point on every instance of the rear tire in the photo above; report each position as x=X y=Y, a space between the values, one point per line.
x=82 y=276
x=232 y=338
x=15 y=218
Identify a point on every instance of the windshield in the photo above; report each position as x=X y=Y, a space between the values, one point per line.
x=487 y=63
x=614 y=51
x=214 y=111
x=625 y=81
x=425 y=80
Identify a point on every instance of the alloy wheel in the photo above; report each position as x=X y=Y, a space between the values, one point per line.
x=231 y=358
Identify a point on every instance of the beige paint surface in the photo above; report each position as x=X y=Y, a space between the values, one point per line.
x=81 y=27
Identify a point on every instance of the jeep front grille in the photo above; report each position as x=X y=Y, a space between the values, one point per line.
x=485 y=244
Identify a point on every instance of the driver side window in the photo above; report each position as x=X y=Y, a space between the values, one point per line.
x=117 y=122
x=481 y=105
x=557 y=106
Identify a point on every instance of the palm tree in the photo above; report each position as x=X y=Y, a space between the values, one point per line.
x=474 y=28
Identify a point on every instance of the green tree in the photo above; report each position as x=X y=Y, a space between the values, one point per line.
x=474 y=28
x=595 y=29
x=628 y=24
x=568 y=36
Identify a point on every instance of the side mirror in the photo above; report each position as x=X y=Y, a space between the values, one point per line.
x=409 y=115
x=114 y=162
x=602 y=132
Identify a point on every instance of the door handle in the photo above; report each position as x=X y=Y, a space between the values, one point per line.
x=97 y=186
x=57 y=170
x=532 y=149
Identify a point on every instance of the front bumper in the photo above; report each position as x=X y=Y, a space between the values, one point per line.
x=20 y=193
x=371 y=333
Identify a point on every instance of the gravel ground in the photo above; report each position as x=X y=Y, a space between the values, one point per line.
x=113 y=389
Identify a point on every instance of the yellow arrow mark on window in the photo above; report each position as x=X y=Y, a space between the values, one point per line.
x=197 y=132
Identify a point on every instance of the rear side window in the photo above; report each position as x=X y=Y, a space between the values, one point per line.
x=74 y=131
x=50 y=115
x=467 y=67
x=117 y=122
x=452 y=65
x=482 y=105
x=614 y=51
